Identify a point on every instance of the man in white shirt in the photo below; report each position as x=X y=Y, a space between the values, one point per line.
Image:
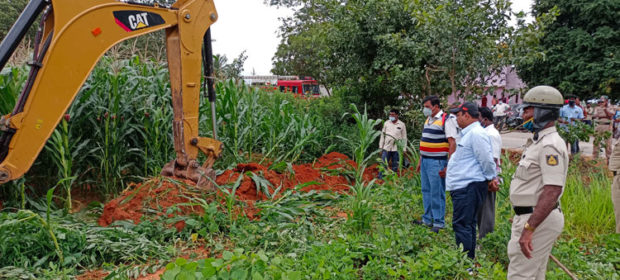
x=452 y=128
x=393 y=131
x=500 y=113
x=486 y=214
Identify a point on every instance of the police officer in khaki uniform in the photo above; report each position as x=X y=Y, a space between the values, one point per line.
x=603 y=114
x=537 y=186
x=614 y=166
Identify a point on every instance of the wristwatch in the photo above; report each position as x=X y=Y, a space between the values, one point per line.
x=531 y=228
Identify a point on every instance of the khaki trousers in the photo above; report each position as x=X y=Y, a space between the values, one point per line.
x=615 y=198
x=543 y=239
x=600 y=130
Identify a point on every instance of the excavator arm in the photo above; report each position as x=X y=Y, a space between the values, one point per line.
x=73 y=37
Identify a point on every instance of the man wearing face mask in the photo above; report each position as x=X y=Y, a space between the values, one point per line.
x=537 y=186
x=569 y=114
x=436 y=145
x=471 y=172
x=393 y=130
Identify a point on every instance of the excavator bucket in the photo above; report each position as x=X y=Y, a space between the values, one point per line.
x=203 y=176
x=72 y=37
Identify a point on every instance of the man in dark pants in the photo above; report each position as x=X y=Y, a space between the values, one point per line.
x=471 y=172
x=486 y=214
x=393 y=131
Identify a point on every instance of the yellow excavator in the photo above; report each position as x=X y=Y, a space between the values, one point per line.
x=72 y=37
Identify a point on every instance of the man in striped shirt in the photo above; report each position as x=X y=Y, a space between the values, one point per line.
x=436 y=145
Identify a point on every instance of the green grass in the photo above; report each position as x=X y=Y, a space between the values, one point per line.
x=378 y=241
x=39 y=243
x=296 y=235
x=588 y=210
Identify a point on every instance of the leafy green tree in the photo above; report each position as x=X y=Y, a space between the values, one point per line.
x=384 y=52
x=581 y=48
x=304 y=48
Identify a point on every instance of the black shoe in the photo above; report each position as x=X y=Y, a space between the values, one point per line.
x=435 y=229
x=471 y=271
x=421 y=223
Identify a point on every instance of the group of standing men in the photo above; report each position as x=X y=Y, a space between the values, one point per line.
x=461 y=156
x=460 y=153
x=606 y=120
x=603 y=116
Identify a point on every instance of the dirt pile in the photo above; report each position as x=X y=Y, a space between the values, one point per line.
x=152 y=196
x=332 y=172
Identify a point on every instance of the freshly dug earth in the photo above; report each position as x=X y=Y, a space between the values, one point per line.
x=330 y=172
x=151 y=196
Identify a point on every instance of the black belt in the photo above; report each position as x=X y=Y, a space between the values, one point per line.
x=437 y=158
x=522 y=210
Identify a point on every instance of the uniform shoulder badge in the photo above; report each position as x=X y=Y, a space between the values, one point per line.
x=552 y=160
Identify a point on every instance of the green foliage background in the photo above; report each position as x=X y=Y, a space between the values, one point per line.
x=394 y=52
x=581 y=49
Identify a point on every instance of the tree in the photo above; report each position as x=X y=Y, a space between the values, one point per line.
x=223 y=70
x=382 y=52
x=9 y=12
x=304 y=49
x=581 y=48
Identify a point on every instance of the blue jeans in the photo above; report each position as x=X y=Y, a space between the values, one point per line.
x=386 y=157
x=574 y=147
x=433 y=191
x=466 y=203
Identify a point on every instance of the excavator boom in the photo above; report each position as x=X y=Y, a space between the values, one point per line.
x=73 y=37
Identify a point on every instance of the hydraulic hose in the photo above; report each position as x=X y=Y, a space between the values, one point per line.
x=207 y=57
x=19 y=29
x=35 y=65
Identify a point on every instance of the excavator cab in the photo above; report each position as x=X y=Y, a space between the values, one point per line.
x=72 y=37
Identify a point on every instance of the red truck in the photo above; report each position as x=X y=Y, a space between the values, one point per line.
x=305 y=86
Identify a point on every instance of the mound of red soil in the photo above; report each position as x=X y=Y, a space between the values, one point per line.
x=154 y=196
x=330 y=173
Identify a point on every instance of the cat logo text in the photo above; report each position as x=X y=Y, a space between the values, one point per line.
x=136 y=20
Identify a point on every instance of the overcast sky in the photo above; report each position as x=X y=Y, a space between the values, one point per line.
x=252 y=26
